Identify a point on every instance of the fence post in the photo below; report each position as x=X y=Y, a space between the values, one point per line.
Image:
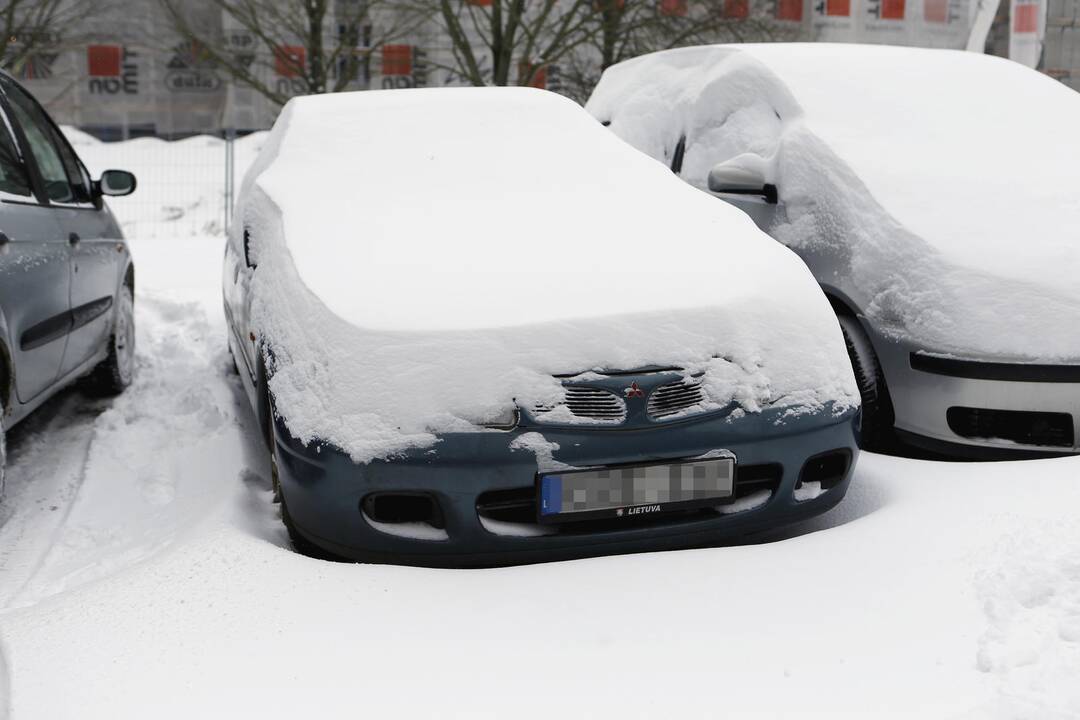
x=230 y=176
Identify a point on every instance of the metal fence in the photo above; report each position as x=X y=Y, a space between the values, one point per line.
x=186 y=187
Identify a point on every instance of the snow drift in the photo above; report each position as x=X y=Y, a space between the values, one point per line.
x=950 y=179
x=427 y=258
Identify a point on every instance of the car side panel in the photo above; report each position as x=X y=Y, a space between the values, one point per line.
x=236 y=283
x=98 y=259
x=35 y=282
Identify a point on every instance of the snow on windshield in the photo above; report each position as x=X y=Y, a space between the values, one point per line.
x=427 y=258
x=950 y=180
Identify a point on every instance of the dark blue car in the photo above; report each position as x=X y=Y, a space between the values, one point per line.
x=439 y=389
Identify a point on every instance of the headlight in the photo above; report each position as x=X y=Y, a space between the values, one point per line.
x=505 y=420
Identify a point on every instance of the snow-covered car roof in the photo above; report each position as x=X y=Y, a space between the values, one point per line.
x=953 y=178
x=427 y=257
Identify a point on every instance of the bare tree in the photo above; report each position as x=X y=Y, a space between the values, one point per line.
x=320 y=45
x=30 y=29
x=622 y=29
x=506 y=42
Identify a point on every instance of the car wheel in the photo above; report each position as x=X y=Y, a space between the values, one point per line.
x=275 y=483
x=877 y=410
x=116 y=372
x=232 y=359
x=301 y=544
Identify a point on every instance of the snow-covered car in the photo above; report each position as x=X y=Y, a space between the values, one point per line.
x=67 y=281
x=934 y=194
x=479 y=329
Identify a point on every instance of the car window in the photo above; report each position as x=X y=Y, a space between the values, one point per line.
x=58 y=165
x=14 y=180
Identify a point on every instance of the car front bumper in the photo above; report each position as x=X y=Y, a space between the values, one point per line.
x=973 y=407
x=324 y=489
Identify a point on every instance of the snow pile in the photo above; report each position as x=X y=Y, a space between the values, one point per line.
x=426 y=258
x=1031 y=599
x=182 y=187
x=949 y=179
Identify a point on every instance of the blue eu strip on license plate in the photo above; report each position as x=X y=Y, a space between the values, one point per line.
x=637 y=490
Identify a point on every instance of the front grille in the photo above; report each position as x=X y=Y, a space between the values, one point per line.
x=1045 y=429
x=588 y=403
x=674 y=398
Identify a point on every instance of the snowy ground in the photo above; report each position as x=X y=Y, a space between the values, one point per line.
x=144 y=573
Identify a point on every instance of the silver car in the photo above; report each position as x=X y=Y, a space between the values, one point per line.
x=67 y=281
x=935 y=195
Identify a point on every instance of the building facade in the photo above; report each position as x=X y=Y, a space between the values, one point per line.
x=138 y=77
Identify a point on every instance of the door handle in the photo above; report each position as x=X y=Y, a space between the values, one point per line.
x=74 y=238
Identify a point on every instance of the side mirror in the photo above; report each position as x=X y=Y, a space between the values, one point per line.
x=116 y=183
x=738 y=177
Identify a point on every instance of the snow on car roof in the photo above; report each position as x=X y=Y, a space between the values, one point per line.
x=506 y=206
x=427 y=257
x=957 y=171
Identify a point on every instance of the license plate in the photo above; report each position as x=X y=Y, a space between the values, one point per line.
x=635 y=490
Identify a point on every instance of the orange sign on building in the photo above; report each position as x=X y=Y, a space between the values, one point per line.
x=397 y=60
x=290 y=60
x=791 y=10
x=104 y=60
x=892 y=9
x=838 y=8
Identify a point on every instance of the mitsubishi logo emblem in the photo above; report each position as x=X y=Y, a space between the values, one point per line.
x=634 y=391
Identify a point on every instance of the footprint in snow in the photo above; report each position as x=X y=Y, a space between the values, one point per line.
x=157 y=488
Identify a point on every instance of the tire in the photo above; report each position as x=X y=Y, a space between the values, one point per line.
x=232 y=361
x=275 y=483
x=301 y=544
x=116 y=371
x=876 y=433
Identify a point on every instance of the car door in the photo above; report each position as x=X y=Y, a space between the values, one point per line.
x=96 y=255
x=35 y=274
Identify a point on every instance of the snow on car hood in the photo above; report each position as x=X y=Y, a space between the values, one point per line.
x=951 y=179
x=427 y=258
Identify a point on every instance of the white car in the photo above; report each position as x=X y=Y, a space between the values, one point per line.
x=934 y=194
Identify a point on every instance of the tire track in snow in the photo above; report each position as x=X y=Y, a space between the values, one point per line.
x=133 y=453
x=61 y=458
x=6 y=700
x=47 y=470
x=41 y=494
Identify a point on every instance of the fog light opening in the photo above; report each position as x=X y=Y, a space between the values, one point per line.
x=403 y=508
x=822 y=473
